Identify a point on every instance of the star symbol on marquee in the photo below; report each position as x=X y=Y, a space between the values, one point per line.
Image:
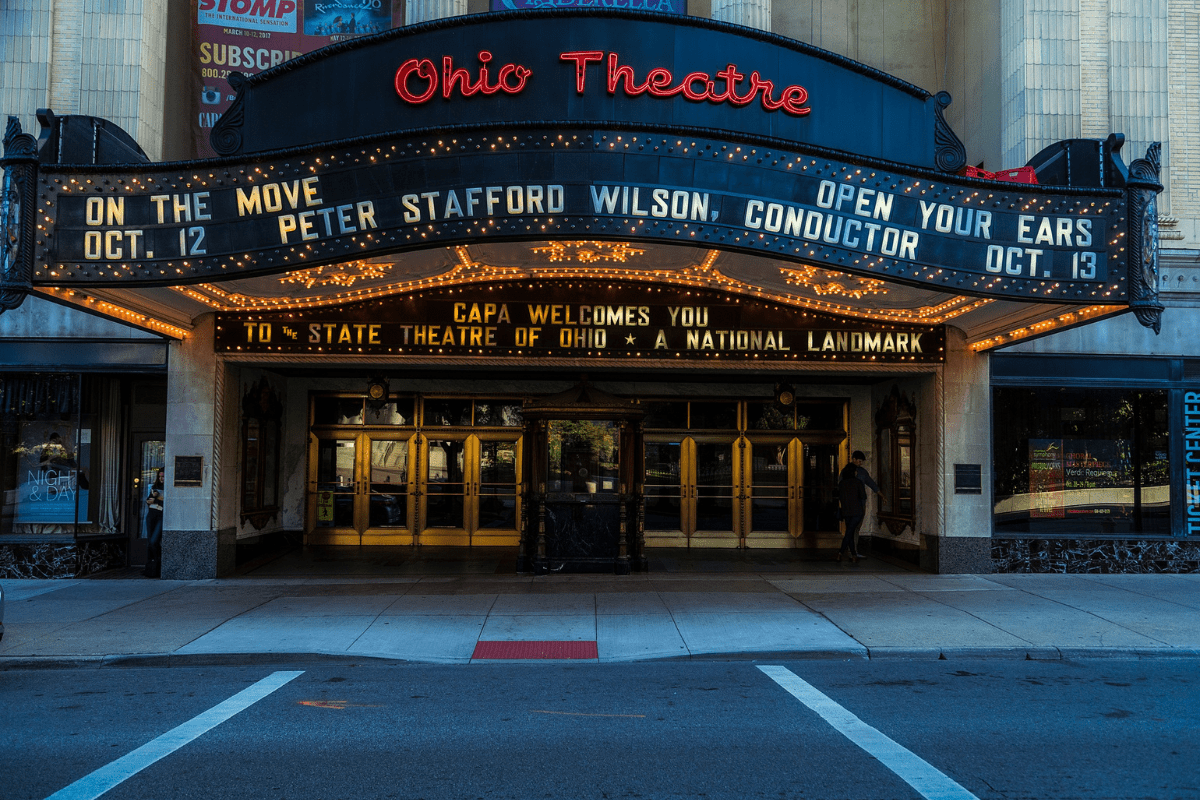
x=630 y=340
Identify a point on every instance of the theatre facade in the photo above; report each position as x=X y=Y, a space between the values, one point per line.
x=584 y=286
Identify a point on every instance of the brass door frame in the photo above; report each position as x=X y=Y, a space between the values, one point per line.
x=496 y=537
x=689 y=533
x=386 y=535
x=314 y=535
x=469 y=533
x=359 y=532
x=794 y=490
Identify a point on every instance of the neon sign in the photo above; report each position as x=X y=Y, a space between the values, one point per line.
x=657 y=83
x=453 y=78
x=418 y=80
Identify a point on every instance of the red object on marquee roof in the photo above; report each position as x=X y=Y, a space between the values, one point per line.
x=1018 y=175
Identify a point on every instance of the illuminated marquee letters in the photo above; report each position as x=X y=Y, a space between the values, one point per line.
x=697 y=86
x=419 y=79
x=510 y=79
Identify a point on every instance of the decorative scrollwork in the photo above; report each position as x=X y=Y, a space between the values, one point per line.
x=950 y=154
x=226 y=136
x=1144 y=186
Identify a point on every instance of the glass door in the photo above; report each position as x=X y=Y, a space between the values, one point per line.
x=822 y=462
x=774 y=485
x=665 y=489
x=691 y=495
x=360 y=489
x=716 y=495
x=496 y=508
x=445 y=490
x=469 y=490
x=387 y=481
x=333 y=492
x=149 y=453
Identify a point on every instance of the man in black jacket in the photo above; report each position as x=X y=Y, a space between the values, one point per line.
x=852 y=493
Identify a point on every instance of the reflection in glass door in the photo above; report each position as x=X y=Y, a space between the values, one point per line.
x=388 y=488
x=713 y=499
x=360 y=490
x=335 y=489
x=445 y=492
x=774 y=483
x=690 y=491
x=583 y=501
x=151 y=457
x=470 y=490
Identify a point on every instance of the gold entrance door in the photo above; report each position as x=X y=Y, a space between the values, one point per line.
x=470 y=490
x=497 y=500
x=773 y=477
x=333 y=491
x=387 y=478
x=360 y=489
x=692 y=499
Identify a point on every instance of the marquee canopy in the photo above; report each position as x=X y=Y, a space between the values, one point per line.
x=576 y=146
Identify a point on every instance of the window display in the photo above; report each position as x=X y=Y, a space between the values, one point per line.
x=1078 y=461
x=45 y=455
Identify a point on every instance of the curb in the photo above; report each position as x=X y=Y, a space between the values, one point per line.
x=159 y=660
x=1128 y=652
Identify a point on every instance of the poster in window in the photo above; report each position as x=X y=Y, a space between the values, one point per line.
x=1093 y=471
x=52 y=483
x=1046 y=478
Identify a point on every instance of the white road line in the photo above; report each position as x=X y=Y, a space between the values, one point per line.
x=97 y=783
x=916 y=771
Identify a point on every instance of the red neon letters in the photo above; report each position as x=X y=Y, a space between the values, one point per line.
x=694 y=86
x=418 y=80
x=510 y=79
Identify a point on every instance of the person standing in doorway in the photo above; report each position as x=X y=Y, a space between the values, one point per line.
x=154 y=517
x=852 y=493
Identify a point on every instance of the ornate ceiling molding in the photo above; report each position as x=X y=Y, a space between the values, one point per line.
x=808 y=288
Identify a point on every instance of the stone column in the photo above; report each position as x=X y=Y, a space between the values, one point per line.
x=426 y=10
x=751 y=13
x=965 y=538
x=193 y=547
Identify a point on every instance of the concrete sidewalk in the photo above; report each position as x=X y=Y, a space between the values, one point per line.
x=441 y=619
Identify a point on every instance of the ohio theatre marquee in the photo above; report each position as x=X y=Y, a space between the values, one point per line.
x=637 y=127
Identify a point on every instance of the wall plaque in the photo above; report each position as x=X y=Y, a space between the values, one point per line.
x=189 y=471
x=968 y=479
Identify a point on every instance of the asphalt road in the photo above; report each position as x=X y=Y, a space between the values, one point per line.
x=359 y=729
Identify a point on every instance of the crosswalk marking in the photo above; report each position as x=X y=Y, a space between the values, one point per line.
x=914 y=770
x=97 y=783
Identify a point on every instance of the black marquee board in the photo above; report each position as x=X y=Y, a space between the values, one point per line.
x=580 y=319
x=291 y=212
x=851 y=184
